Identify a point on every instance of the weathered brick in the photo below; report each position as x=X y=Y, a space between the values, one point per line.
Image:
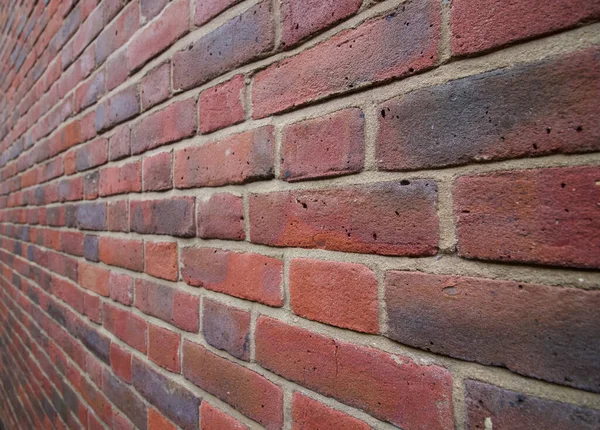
x=329 y=146
x=214 y=419
x=221 y=216
x=175 y=122
x=175 y=401
x=492 y=23
x=128 y=327
x=544 y=216
x=504 y=409
x=90 y=91
x=90 y=185
x=156 y=85
x=119 y=143
x=93 y=278
x=501 y=323
x=150 y=8
x=120 y=361
x=126 y=178
x=173 y=216
x=160 y=34
x=93 y=308
x=240 y=40
x=163 y=347
x=340 y=294
x=92 y=154
x=121 y=288
x=249 y=276
x=116 y=70
x=222 y=105
x=125 y=253
x=157 y=421
x=390 y=218
x=172 y=306
x=70 y=189
x=161 y=260
x=204 y=10
x=118 y=216
x=119 y=107
x=246 y=391
x=226 y=328
x=310 y=414
x=378 y=50
x=486 y=117
x=118 y=32
x=303 y=18
x=237 y=159
x=408 y=395
x=90 y=248
x=158 y=172
x=71 y=242
x=129 y=402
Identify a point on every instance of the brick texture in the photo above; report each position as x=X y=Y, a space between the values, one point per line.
x=299 y=214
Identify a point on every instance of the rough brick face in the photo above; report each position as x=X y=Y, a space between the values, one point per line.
x=329 y=146
x=363 y=377
x=378 y=50
x=387 y=218
x=544 y=216
x=299 y=214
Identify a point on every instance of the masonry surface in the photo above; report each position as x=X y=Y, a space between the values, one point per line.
x=300 y=214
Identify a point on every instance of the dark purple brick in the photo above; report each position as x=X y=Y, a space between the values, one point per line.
x=173 y=217
x=90 y=248
x=91 y=216
x=123 y=396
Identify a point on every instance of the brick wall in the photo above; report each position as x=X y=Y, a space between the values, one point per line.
x=333 y=214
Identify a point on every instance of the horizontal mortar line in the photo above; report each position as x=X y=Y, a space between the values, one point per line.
x=441 y=264
x=527 y=52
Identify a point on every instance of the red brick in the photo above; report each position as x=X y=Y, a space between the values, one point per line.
x=71 y=242
x=120 y=361
x=161 y=260
x=156 y=85
x=88 y=30
x=158 y=172
x=150 y=8
x=505 y=409
x=502 y=323
x=90 y=91
x=126 y=178
x=390 y=218
x=121 y=288
x=116 y=70
x=212 y=418
x=204 y=10
x=119 y=143
x=237 y=159
x=163 y=347
x=226 y=328
x=90 y=185
x=128 y=327
x=378 y=50
x=160 y=34
x=492 y=23
x=125 y=253
x=543 y=216
x=175 y=122
x=246 y=391
x=174 y=216
x=170 y=305
x=221 y=216
x=120 y=107
x=156 y=421
x=222 y=105
x=93 y=308
x=118 y=216
x=69 y=293
x=340 y=294
x=485 y=117
x=120 y=422
x=310 y=414
x=303 y=18
x=70 y=167
x=91 y=154
x=248 y=276
x=239 y=41
x=389 y=387
x=329 y=146
x=117 y=32
x=93 y=278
